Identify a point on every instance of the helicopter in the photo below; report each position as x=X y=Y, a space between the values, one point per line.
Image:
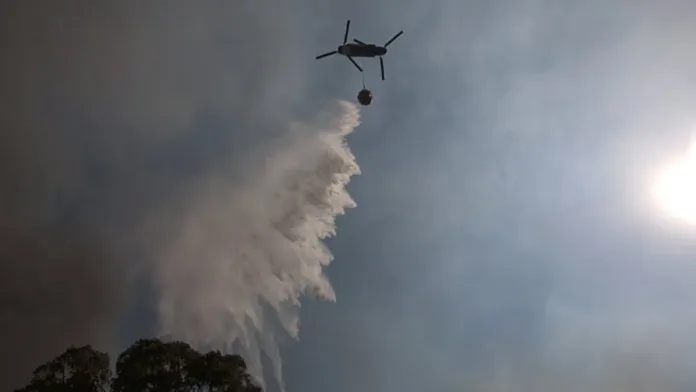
x=361 y=49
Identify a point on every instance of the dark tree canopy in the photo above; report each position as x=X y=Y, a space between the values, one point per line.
x=149 y=365
x=77 y=369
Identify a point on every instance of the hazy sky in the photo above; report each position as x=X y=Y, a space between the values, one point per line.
x=504 y=239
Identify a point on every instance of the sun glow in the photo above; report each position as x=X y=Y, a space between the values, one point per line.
x=675 y=188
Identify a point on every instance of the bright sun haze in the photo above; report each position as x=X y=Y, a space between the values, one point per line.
x=675 y=188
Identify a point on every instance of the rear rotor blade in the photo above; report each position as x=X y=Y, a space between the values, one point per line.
x=358 y=41
x=381 y=65
x=393 y=38
x=345 y=36
x=326 y=55
x=354 y=63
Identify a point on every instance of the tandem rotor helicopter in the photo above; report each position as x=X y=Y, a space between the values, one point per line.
x=361 y=49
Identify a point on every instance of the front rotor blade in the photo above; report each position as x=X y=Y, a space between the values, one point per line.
x=393 y=38
x=326 y=55
x=345 y=36
x=354 y=63
x=381 y=65
x=358 y=41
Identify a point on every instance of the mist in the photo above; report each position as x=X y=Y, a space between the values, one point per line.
x=241 y=255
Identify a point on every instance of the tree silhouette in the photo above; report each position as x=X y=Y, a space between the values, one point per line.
x=149 y=365
x=77 y=369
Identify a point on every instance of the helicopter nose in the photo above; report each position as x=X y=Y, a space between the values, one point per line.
x=340 y=49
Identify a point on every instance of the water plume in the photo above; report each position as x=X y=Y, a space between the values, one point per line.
x=244 y=252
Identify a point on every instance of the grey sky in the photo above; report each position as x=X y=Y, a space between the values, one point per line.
x=512 y=245
x=504 y=239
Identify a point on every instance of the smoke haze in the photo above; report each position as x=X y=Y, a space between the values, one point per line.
x=505 y=240
x=135 y=140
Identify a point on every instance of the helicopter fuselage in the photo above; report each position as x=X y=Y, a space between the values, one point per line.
x=359 y=50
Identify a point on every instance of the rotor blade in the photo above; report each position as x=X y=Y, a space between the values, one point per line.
x=345 y=37
x=354 y=63
x=393 y=38
x=358 y=41
x=326 y=55
x=381 y=65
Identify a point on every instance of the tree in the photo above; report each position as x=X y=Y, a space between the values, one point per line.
x=149 y=365
x=77 y=369
x=215 y=372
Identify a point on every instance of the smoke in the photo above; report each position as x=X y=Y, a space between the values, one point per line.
x=60 y=278
x=613 y=350
x=119 y=116
x=56 y=289
x=239 y=250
